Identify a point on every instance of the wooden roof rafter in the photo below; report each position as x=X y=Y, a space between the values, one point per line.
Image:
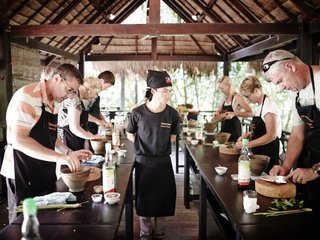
x=188 y=18
x=245 y=11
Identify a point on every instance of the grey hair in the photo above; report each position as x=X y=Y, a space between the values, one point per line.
x=275 y=55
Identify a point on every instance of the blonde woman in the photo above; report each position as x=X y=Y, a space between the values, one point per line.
x=266 y=123
x=233 y=105
x=73 y=117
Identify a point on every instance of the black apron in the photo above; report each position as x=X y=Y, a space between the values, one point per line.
x=155 y=186
x=258 y=129
x=311 y=152
x=71 y=140
x=233 y=125
x=34 y=177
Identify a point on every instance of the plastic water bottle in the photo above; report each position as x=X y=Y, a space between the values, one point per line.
x=30 y=225
x=244 y=166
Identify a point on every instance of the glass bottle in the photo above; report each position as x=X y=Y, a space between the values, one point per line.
x=30 y=224
x=108 y=176
x=244 y=166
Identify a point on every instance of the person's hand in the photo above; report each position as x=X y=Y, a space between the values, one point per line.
x=278 y=170
x=72 y=159
x=302 y=175
x=230 y=115
x=238 y=144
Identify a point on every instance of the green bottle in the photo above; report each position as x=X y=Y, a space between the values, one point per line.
x=30 y=225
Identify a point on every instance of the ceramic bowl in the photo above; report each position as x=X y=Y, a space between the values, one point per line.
x=112 y=197
x=98 y=189
x=98 y=145
x=96 y=197
x=121 y=152
x=222 y=137
x=221 y=170
x=194 y=142
x=258 y=164
x=75 y=180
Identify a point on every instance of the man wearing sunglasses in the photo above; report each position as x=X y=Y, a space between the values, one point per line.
x=303 y=153
x=30 y=159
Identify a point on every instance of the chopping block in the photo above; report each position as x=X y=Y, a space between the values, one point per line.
x=275 y=190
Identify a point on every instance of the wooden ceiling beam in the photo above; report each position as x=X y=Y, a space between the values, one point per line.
x=154 y=29
x=198 y=44
x=245 y=11
x=262 y=46
x=148 y=57
x=285 y=10
x=304 y=8
x=187 y=18
x=34 y=44
x=7 y=6
x=216 y=18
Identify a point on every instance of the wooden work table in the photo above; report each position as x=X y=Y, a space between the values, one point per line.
x=92 y=220
x=225 y=200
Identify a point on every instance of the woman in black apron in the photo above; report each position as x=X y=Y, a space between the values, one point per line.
x=152 y=128
x=252 y=89
x=311 y=152
x=231 y=123
x=75 y=140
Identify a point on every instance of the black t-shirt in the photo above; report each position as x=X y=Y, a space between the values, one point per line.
x=153 y=130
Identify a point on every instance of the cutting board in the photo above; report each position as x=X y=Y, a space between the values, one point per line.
x=227 y=149
x=275 y=190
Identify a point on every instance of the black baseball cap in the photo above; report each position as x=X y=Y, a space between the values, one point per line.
x=158 y=79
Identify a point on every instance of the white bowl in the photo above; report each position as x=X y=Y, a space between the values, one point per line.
x=96 y=198
x=194 y=142
x=121 y=152
x=112 y=197
x=221 y=170
x=98 y=189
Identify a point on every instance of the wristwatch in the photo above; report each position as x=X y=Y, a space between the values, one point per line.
x=316 y=168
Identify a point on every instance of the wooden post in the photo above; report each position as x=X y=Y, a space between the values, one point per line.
x=226 y=66
x=304 y=43
x=154 y=17
x=82 y=63
x=5 y=73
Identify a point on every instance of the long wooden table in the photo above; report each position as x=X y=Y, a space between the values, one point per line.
x=225 y=200
x=93 y=220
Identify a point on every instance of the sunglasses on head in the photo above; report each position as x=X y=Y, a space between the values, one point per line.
x=266 y=66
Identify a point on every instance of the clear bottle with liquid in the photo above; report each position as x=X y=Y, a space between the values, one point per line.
x=108 y=175
x=30 y=224
x=244 y=166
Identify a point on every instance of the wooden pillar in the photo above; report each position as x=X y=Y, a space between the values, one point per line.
x=5 y=74
x=154 y=17
x=304 y=43
x=226 y=66
x=81 y=63
x=123 y=95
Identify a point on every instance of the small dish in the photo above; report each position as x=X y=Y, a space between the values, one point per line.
x=121 y=152
x=96 y=197
x=98 y=189
x=112 y=197
x=221 y=170
x=234 y=177
x=194 y=142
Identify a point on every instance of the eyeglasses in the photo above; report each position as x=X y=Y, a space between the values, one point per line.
x=70 y=90
x=265 y=67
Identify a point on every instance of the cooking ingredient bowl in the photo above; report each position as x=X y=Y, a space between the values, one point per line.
x=96 y=197
x=121 y=152
x=209 y=127
x=98 y=145
x=222 y=137
x=112 y=197
x=194 y=142
x=75 y=180
x=221 y=170
x=258 y=164
x=98 y=189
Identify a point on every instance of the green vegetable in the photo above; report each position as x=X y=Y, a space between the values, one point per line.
x=284 y=207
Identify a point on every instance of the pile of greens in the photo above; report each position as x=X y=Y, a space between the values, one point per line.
x=284 y=207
